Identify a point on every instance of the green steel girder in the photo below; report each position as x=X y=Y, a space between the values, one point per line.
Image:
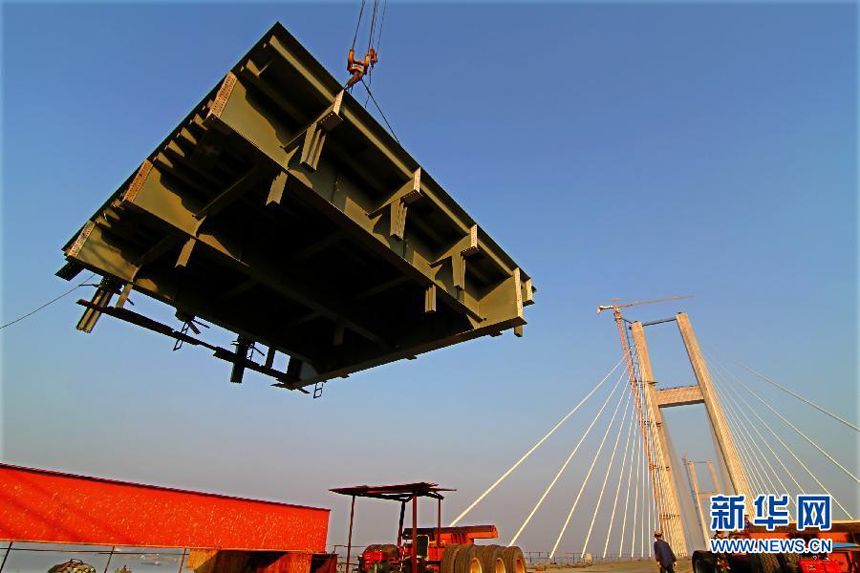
x=281 y=210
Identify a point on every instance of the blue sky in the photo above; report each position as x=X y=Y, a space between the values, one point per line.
x=614 y=150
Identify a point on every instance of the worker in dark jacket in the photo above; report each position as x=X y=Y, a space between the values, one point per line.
x=663 y=553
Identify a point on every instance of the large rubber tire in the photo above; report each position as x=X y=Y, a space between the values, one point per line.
x=380 y=567
x=491 y=559
x=766 y=563
x=72 y=566
x=390 y=550
x=468 y=560
x=702 y=565
x=448 y=558
x=790 y=562
x=515 y=561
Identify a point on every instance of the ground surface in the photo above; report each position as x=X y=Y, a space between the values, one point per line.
x=683 y=566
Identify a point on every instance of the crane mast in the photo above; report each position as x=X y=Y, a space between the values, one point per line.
x=641 y=411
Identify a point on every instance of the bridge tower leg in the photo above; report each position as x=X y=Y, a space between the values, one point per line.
x=697 y=499
x=724 y=444
x=662 y=462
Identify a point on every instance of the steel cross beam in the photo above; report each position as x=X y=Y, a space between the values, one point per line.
x=279 y=198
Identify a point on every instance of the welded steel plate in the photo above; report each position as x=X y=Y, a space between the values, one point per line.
x=280 y=210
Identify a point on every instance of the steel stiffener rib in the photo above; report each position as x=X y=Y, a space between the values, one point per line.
x=279 y=209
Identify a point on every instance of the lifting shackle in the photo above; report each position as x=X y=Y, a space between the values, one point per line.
x=359 y=68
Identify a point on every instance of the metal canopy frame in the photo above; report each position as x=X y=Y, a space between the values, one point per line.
x=402 y=493
x=281 y=210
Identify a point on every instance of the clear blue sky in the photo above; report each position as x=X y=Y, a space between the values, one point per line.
x=614 y=150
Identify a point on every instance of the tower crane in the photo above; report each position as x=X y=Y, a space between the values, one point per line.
x=634 y=384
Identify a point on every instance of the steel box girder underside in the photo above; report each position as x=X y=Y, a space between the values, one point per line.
x=279 y=209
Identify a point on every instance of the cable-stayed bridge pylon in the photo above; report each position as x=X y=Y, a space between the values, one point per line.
x=750 y=452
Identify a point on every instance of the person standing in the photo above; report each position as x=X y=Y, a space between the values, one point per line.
x=664 y=554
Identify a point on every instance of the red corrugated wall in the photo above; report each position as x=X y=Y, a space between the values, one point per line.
x=52 y=507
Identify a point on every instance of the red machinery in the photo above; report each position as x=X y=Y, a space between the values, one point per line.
x=430 y=549
x=845 y=557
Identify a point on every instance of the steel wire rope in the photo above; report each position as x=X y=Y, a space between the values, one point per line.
x=636 y=499
x=656 y=501
x=381 y=113
x=651 y=517
x=798 y=431
x=591 y=468
x=753 y=465
x=618 y=487
x=661 y=477
x=763 y=440
x=628 y=409
x=754 y=479
x=372 y=25
x=644 y=493
x=627 y=497
x=358 y=23
x=566 y=462
x=381 y=24
x=732 y=409
x=534 y=447
x=50 y=302
x=788 y=449
x=795 y=394
x=774 y=489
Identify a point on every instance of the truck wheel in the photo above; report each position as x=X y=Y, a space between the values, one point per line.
x=701 y=565
x=448 y=558
x=391 y=552
x=790 y=562
x=468 y=560
x=491 y=558
x=767 y=563
x=514 y=560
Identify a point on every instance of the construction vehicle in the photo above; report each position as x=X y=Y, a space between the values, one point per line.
x=429 y=549
x=845 y=557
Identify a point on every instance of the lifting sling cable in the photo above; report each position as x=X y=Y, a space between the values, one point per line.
x=358 y=68
x=628 y=409
x=567 y=461
x=618 y=487
x=788 y=449
x=534 y=447
x=590 y=469
x=358 y=24
x=795 y=394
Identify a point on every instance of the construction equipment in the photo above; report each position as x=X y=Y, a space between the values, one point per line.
x=617 y=306
x=669 y=517
x=845 y=557
x=430 y=549
x=282 y=211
